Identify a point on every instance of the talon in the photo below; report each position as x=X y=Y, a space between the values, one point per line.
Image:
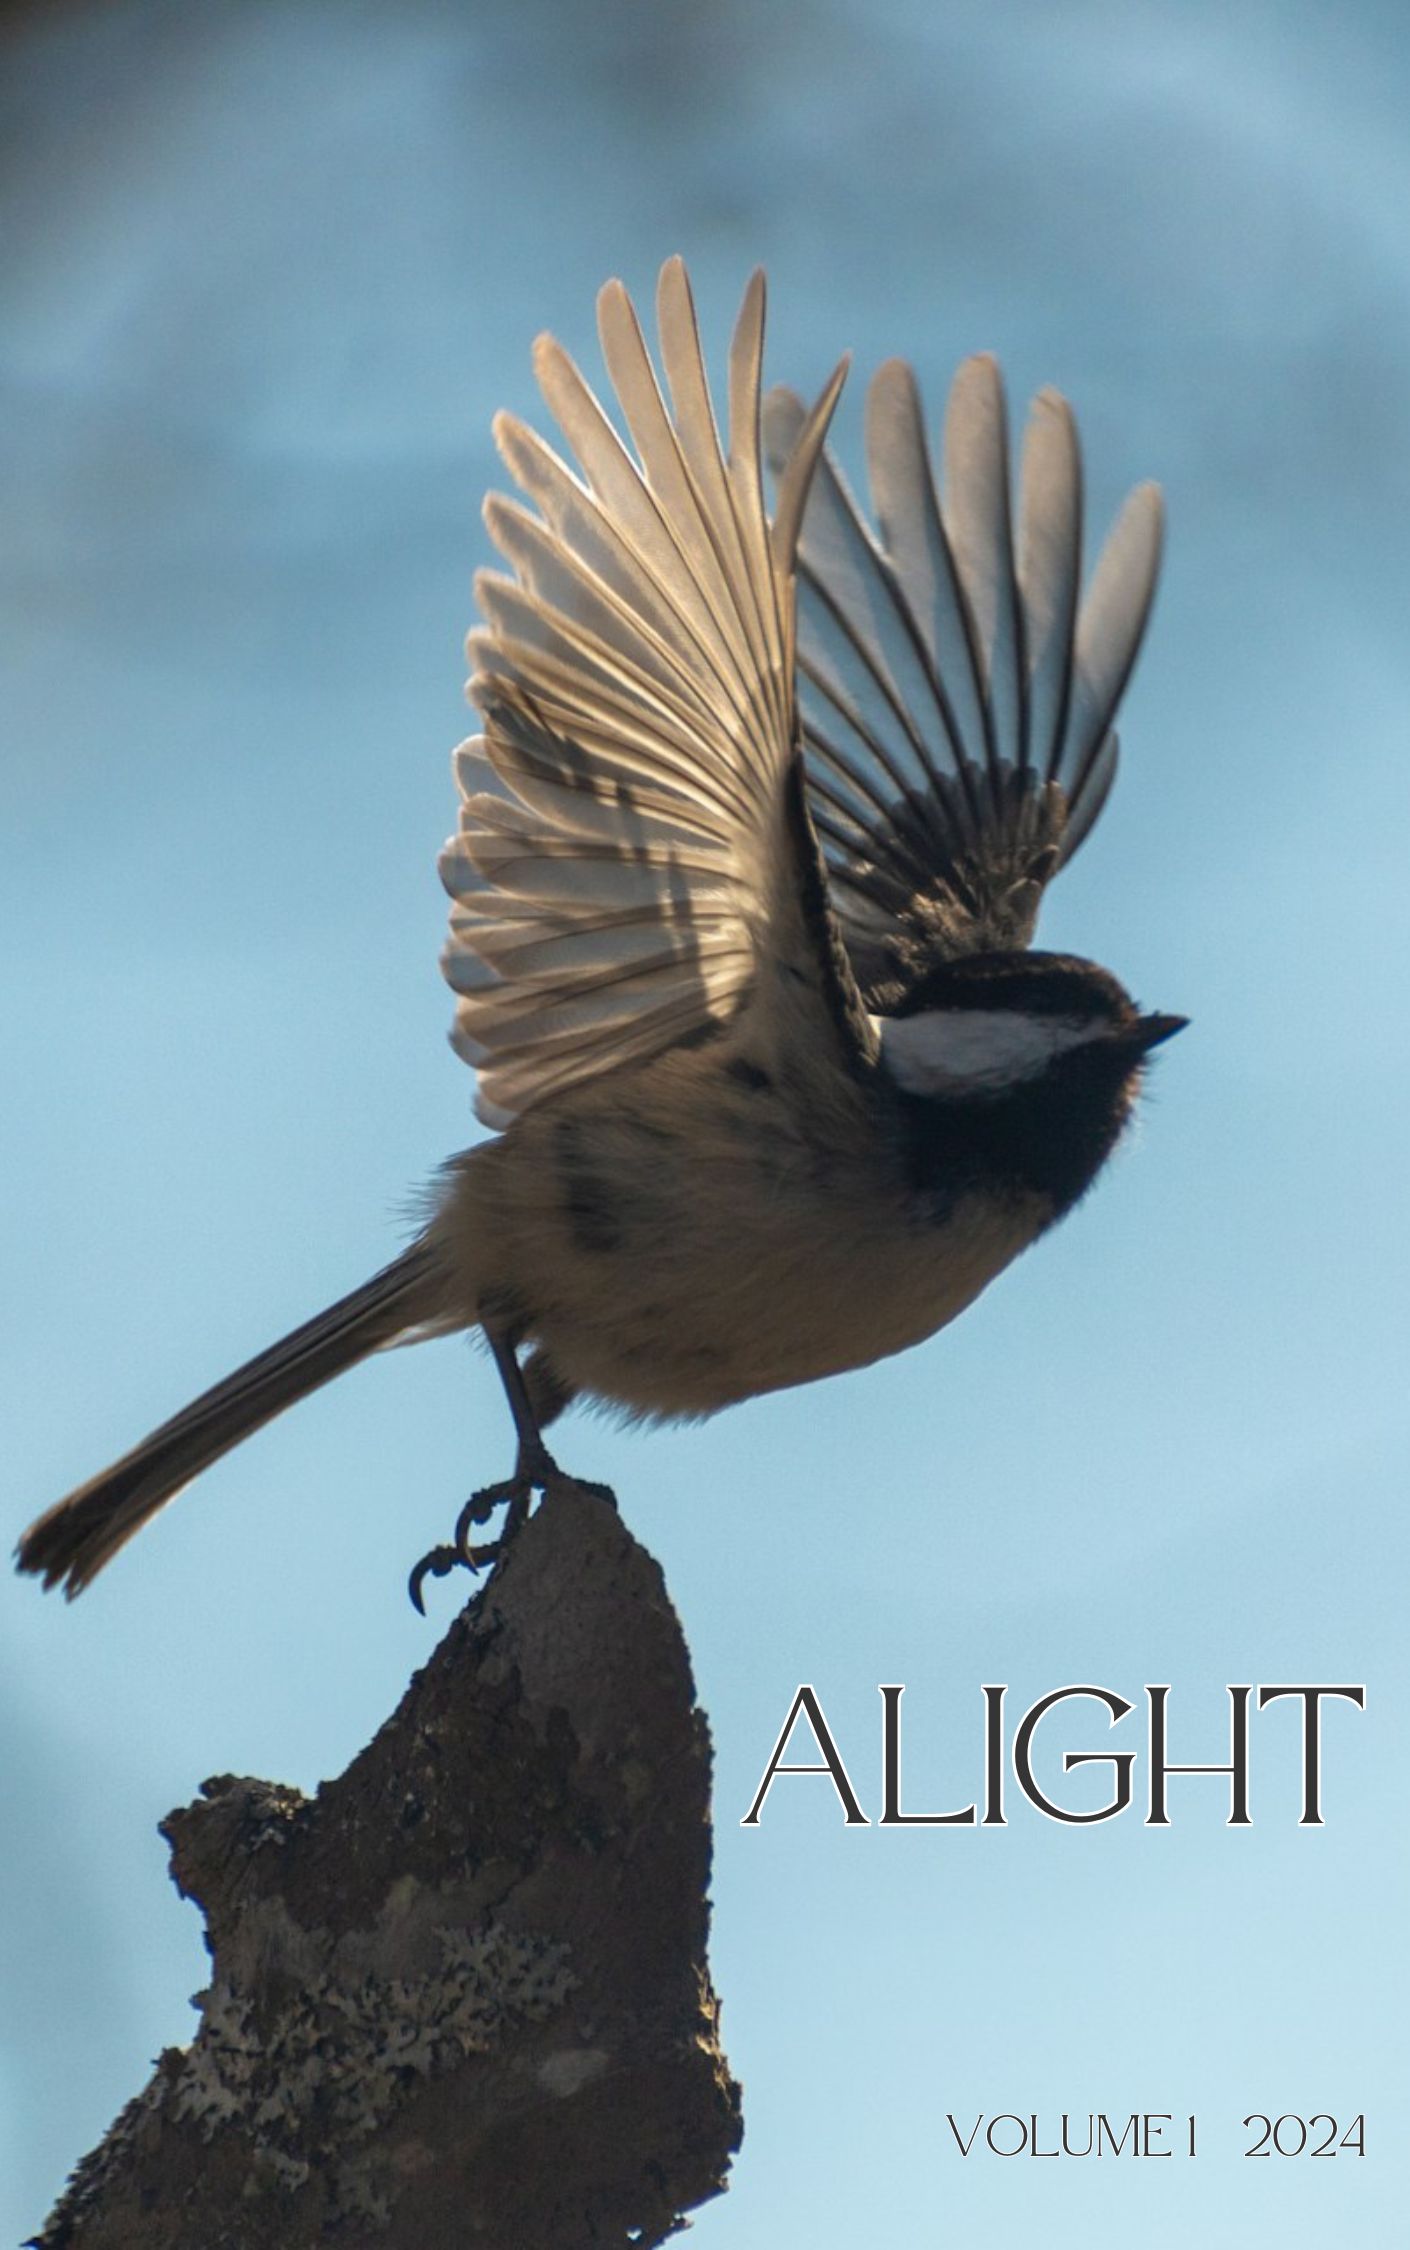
x=481 y=1506
x=513 y=1495
x=439 y=1563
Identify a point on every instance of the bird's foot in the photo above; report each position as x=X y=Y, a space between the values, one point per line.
x=537 y=1471
x=460 y=1552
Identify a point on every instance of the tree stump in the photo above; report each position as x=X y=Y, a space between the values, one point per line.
x=460 y=1997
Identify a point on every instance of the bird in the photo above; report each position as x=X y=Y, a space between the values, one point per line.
x=744 y=890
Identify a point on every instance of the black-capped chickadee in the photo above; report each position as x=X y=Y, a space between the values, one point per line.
x=750 y=857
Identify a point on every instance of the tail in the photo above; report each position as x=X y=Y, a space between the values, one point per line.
x=71 y=1542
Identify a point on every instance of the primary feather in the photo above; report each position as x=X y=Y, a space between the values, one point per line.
x=957 y=702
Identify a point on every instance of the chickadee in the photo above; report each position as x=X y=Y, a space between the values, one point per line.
x=749 y=861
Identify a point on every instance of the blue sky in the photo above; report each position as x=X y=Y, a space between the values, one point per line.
x=268 y=274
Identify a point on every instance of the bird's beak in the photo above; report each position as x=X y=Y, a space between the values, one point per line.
x=1149 y=1031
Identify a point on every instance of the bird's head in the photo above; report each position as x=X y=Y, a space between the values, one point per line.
x=986 y=1024
x=1032 y=1059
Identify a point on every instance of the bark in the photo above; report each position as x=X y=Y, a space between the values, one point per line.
x=460 y=1997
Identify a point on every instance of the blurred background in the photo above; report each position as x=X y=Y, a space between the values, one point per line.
x=267 y=273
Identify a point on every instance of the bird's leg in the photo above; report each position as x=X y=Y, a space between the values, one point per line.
x=536 y=1466
x=534 y=1470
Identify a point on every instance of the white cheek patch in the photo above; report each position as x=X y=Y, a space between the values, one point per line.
x=976 y=1050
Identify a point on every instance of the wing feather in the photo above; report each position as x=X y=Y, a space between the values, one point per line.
x=1049 y=572
x=956 y=699
x=977 y=526
x=634 y=866
x=1110 y=627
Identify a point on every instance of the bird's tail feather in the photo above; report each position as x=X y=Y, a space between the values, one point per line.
x=71 y=1542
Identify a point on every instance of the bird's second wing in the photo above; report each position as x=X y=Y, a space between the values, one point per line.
x=633 y=865
x=956 y=699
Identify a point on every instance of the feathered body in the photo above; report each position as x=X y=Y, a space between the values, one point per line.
x=751 y=851
x=635 y=1243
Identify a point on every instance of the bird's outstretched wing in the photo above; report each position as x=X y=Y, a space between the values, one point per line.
x=956 y=700
x=635 y=863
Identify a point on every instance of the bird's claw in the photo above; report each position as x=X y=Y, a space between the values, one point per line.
x=440 y=1561
x=513 y=1495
